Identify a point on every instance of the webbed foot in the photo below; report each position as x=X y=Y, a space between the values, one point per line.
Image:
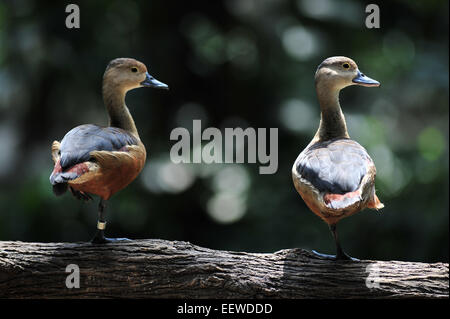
x=100 y=238
x=339 y=256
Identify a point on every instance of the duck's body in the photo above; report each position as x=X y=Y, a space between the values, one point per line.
x=95 y=160
x=335 y=178
x=334 y=174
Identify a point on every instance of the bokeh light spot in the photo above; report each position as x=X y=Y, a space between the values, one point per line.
x=163 y=176
x=231 y=179
x=300 y=43
x=226 y=207
x=297 y=115
x=431 y=143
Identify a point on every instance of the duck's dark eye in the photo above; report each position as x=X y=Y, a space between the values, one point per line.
x=134 y=70
x=346 y=65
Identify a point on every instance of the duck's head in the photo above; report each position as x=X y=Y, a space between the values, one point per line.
x=339 y=72
x=128 y=74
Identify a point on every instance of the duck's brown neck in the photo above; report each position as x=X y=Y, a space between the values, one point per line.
x=119 y=115
x=332 y=120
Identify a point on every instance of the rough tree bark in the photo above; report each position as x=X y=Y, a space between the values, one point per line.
x=166 y=269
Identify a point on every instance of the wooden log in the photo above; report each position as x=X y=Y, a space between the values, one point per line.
x=173 y=269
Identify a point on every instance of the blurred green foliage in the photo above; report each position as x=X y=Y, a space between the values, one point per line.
x=229 y=63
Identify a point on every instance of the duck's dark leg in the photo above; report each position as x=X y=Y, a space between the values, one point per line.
x=340 y=253
x=99 y=237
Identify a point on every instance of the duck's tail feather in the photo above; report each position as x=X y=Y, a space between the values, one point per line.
x=375 y=203
x=341 y=201
x=59 y=179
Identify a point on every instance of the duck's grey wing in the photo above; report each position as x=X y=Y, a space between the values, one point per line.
x=336 y=166
x=79 y=142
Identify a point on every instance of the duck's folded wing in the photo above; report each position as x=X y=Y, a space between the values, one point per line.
x=123 y=164
x=335 y=167
x=77 y=145
x=73 y=155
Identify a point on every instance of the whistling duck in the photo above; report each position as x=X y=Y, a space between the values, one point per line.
x=98 y=160
x=335 y=175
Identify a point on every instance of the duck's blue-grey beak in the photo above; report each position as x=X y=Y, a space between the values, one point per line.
x=363 y=80
x=150 y=81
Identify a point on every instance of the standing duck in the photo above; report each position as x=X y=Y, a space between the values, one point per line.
x=335 y=175
x=98 y=160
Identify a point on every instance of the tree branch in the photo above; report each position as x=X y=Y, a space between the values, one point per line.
x=166 y=269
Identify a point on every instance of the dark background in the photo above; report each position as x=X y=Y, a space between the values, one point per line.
x=232 y=63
